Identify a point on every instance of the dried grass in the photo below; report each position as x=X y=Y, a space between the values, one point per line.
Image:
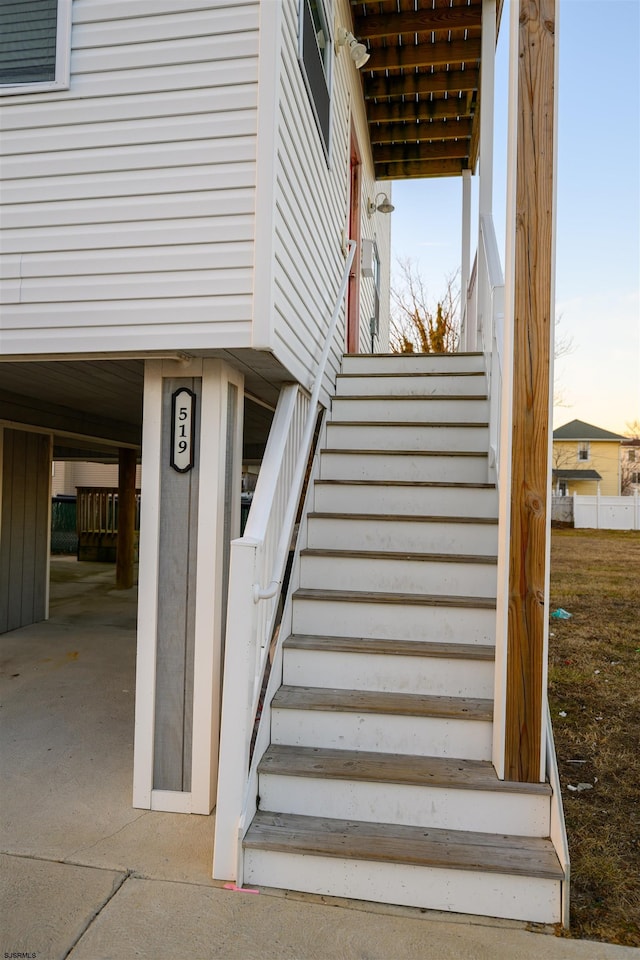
x=594 y=678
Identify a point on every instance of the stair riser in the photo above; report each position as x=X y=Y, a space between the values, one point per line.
x=381 y=466
x=411 y=436
x=351 y=533
x=446 y=808
x=424 y=675
x=410 y=409
x=386 y=621
x=385 y=733
x=428 y=386
x=418 y=363
x=421 y=501
x=460 y=891
x=452 y=578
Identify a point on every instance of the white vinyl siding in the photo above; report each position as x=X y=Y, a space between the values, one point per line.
x=129 y=199
x=311 y=210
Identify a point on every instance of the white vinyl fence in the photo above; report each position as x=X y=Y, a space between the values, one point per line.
x=562 y=509
x=606 y=513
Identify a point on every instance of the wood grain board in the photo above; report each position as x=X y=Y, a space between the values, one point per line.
x=372 y=701
x=320 y=762
x=452 y=849
x=394 y=648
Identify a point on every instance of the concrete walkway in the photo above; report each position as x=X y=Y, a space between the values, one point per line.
x=85 y=876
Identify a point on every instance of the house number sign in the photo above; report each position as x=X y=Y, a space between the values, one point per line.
x=183 y=424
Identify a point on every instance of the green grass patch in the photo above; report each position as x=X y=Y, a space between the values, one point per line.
x=594 y=680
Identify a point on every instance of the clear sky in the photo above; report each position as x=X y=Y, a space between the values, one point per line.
x=598 y=212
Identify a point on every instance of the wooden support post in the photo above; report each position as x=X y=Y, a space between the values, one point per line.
x=126 y=518
x=532 y=355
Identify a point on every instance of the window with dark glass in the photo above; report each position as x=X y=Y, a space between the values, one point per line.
x=28 y=30
x=315 y=60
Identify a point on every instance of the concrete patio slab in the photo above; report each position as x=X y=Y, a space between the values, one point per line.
x=162 y=846
x=45 y=907
x=153 y=920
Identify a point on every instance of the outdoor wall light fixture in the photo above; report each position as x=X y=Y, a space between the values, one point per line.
x=384 y=207
x=357 y=51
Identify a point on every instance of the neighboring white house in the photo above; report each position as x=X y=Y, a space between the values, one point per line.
x=630 y=466
x=195 y=230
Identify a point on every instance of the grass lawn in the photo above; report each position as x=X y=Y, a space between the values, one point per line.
x=594 y=696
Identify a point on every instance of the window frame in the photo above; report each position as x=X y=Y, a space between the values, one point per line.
x=62 y=80
x=584 y=451
x=327 y=68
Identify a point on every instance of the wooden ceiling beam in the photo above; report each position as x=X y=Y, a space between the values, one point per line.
x=410 y=84
x=408 y=169
x=411 y=110
x=401 y=152
x=423 y=55
x=419 y=21
x=420 y=132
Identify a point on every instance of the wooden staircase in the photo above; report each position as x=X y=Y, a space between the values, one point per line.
x=378 y=782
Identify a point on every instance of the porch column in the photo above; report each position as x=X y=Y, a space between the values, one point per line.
x=487 y=92
x=465 y=256
x=190 y=512
x=25 y=527
x=525 y=512
x=126 y=518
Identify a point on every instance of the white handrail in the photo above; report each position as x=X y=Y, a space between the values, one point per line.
x=266 y=593
x=494 y=267
x=484 y=325
x=261 y=555
x=557 y=828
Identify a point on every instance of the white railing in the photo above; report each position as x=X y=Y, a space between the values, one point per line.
x=256 y=572
x=484 y=325
x=557 y=828
x=468 y=320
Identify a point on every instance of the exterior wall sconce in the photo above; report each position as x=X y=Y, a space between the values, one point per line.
x=384 y=207
x=357 y=51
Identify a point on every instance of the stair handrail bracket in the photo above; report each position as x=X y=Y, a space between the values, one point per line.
x=256 y=572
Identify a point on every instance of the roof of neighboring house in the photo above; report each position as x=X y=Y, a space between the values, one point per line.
x=579 y=430
x=576 y=475
x=631 y=442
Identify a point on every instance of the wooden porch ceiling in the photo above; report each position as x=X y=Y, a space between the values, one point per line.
x=421 y=84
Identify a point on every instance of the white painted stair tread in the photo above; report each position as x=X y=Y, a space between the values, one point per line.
x=393 y=843
x=449 y=484
x=420 y=396
x=398 y=555
x=398 y=648
x=428 y=600
x=392 y=517
x=331 y=699
x=452 y=454
x=320 y=762
x=416 y=363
